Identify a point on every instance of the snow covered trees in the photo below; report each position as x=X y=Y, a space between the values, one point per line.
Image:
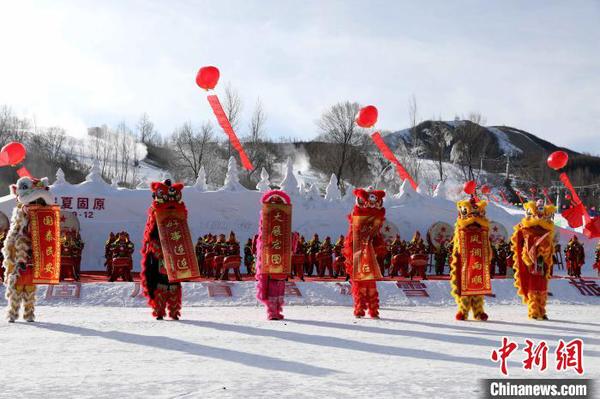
x=200 y=184
x=332 y=191
x=264 y=184
x=289 y=184
x=232 y=179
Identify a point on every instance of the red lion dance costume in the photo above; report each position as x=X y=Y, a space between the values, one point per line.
x=471 y=259
x=533 y=247
x=363 y=237
x=274 y=251
x=168 y=255
x=32 y=247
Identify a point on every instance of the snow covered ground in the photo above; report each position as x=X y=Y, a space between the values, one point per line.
x=230 y=352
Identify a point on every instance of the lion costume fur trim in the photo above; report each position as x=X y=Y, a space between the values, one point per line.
x=469 y=212
x=16 y=247
x=533 y=217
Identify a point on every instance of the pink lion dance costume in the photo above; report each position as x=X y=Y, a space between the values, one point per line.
x=274 y=251
x=363 y=237
x=168 y=255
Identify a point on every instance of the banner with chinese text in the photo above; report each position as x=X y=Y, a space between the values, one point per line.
x=176 y=243
x=475 y=261
x=276 y=236
x=364 y=262
x=45 y=243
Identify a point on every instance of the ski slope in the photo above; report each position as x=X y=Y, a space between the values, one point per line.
x=233 y=352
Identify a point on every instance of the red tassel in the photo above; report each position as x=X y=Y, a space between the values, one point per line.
x=592 y=228
x=574 y=215
x=389 y=155
x=23 y=172
x=576 y=200
x=215 y=104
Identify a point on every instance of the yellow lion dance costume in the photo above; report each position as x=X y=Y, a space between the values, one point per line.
x=18 y=259
x=471 y=259
x=533 y=247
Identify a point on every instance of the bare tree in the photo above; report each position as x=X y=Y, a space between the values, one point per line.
x=437 y=139
x=471 y=144
x=256 y=145
x=192 y=146
x=12 y=128
x=232 y=105
x=338 y=126
x=145 y=130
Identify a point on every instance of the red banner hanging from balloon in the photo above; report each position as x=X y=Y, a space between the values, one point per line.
x=23 y=172
x=576 y=201
x=215 y=104
x=389 y=155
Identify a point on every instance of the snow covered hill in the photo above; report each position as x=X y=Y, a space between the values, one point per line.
x=505 y=140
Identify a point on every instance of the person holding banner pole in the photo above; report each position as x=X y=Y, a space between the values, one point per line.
x=274 y=251
x=32 y=247
x=364 y=235
x=168 y=254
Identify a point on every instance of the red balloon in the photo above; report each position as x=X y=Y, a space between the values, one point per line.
x=12 y=154
x=208 y=77
x=558 y=159
x=485 y=189
x=470 y=187
x=367 y=116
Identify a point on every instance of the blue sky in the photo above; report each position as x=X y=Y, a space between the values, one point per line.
x=533 y=65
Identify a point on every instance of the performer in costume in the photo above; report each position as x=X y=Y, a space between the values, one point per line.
x=249 y=257
x=298 y=256
x=440 y=256
x=274 y=251
x=325 y=258
x=339 y=262
x=533 y=246
x=471 y=259
x=575 y=257
x=400 y=258
x=32 y=246
x=418 y=257
x=108 y=254
x=597 y=263
x=122 y=263
x=363 y=236
x=168 y=255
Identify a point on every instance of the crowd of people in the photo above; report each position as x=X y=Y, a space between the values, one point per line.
x=118 y=255
x=219 y=255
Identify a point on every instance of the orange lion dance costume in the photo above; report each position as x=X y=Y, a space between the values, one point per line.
x=363 y=237
x=168 y=255
x=533 y=247
x=471 y=259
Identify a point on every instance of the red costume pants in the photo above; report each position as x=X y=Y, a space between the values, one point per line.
x=365 y=296
x=167 y=298
x=271 y=293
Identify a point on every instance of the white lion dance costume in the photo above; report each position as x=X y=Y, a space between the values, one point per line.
x=32 y=247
